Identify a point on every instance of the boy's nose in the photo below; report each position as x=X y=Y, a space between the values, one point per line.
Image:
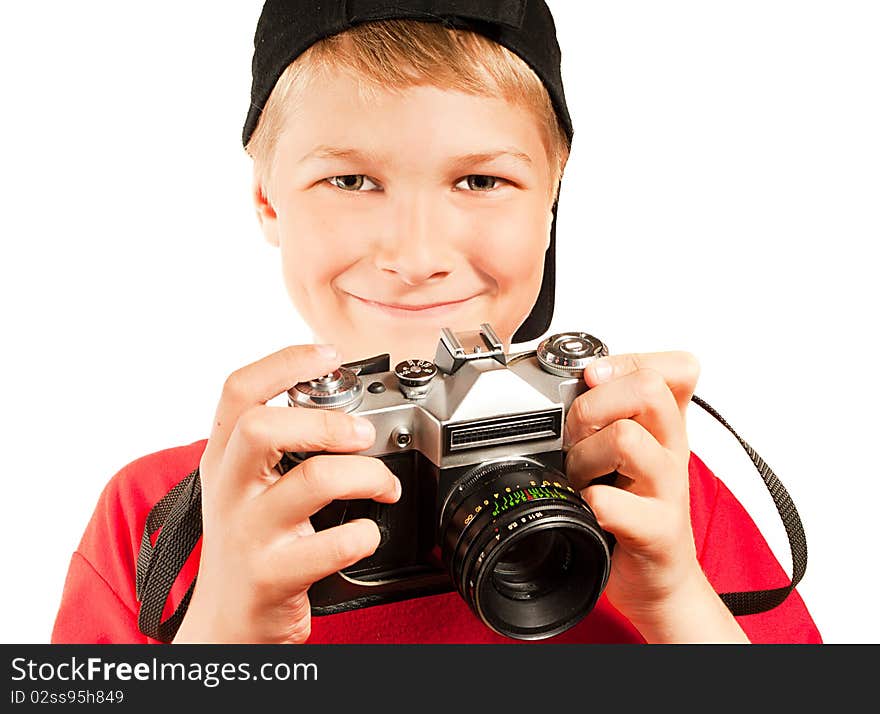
x=415 y=245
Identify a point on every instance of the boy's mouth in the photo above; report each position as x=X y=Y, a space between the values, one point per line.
x=402 y=310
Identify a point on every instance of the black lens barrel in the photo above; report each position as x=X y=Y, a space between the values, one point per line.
x=523 y=549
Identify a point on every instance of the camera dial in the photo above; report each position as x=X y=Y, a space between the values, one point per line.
x=340 y=389
x=414 y=377
x=566 y=354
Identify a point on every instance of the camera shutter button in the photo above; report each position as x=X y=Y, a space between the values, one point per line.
x=328 y=382
x=414 y=377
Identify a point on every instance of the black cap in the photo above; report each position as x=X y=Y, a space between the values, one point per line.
x=287 y=28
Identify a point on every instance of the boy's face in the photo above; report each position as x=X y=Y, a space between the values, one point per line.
x=380 y=208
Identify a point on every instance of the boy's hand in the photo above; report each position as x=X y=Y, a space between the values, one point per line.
x=632 y=420
x=260 y=553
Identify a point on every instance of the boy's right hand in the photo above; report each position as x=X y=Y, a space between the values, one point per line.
x=259 y=552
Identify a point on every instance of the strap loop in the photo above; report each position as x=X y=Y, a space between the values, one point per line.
x=179 y=516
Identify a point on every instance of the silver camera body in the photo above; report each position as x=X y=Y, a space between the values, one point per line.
x=476 y=438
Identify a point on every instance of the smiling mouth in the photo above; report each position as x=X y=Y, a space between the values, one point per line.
x=430 y=308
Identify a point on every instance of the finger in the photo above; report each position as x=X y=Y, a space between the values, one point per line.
x=680 y=370
x=642 y=396
x=317 y=481
x=628 y=448
x=263 y=433
x=265 y=379
x=297 y=563
x=635 y=521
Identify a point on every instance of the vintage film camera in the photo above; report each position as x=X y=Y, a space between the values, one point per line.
x=475 y=438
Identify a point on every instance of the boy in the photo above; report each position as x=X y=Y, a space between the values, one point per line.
x=407 y=170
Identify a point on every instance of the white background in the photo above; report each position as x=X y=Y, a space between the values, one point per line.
x=722 y=197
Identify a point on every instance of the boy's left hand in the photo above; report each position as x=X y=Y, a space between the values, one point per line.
x=632 y=420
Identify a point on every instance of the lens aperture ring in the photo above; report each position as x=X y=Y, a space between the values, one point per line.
x=468 y=488
x=493 y=499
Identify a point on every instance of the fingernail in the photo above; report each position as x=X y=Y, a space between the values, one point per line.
x=364 y=428
x=600 y=370
x=398 y=488
x=327 y=351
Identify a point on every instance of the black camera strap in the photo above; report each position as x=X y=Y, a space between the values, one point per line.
x=179 y=516
x=178 y=519
x=750 y=603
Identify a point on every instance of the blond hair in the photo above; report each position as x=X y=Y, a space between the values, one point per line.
x=394 y=55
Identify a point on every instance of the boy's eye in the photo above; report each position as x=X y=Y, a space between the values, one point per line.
x=480 y=183
x=350 y=182
x=353 y=183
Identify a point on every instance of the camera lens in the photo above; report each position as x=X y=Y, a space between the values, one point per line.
x=532 y=566
x=523 y=549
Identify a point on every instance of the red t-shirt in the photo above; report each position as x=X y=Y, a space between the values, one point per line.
x=98 y=604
